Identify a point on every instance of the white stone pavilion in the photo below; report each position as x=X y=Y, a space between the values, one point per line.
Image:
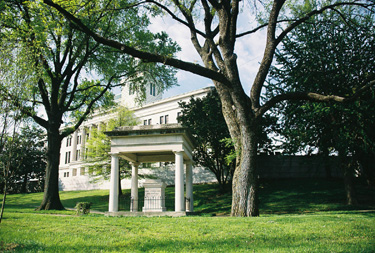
x=149 y=144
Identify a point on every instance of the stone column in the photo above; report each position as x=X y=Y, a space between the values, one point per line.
x=74 y=147
x=113 y=189
x=83 y=143
x=179 y=203
x=134 y=189
x=189 y=186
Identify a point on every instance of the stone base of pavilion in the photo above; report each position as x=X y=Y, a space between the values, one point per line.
x=149 y=214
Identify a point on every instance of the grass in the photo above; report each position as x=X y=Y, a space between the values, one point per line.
x=296 y=216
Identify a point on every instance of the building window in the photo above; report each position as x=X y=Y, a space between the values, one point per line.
x=152 y=89
x=74 y=172
x=82 y=171
x=149 y=121
x=166 y=119
x=78 y=154
x=161 y=120
x=145 y=122
x=66 y=174
x=67 y=157
x=79 y=139
x=69 y=141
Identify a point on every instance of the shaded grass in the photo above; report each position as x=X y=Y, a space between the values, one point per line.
x=311 y=195
x=276 y=197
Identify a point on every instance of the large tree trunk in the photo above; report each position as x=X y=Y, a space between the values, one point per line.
x=51 y=198
x=245 y=197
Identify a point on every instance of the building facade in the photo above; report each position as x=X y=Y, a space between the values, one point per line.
x=73 y=172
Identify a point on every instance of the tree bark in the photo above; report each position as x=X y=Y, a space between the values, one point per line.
x=351 y=197
x=24 y=183
x=245 y=197
x=243 y=130
x=4 y=198
x=51 y=197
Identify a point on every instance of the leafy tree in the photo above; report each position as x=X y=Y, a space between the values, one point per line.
x=10 y=122
x=335 y=57
x=99 y=146
x=206 y=122
x=214 y=29
x=28 y=151
x=67 y=74
x=11 y=118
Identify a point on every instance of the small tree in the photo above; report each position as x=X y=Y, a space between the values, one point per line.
x=10 y=123
x=205 y=120
x=99 y=146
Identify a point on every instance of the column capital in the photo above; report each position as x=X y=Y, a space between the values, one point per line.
x=135 y=164
x=189 y=162
x=114 y=154
x=178 y=151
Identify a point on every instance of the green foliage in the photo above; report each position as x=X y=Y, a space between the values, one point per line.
x=327 y=56
x=69 y=74
x=26 y=155
x=99 y=145
x=62 y=57
x=83 y=207
x=231 y=157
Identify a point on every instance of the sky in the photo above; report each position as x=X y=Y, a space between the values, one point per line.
x=249 y=50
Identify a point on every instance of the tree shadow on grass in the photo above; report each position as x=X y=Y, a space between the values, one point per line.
x=310 y=195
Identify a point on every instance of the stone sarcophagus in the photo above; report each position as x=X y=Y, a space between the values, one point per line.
x=154 y=196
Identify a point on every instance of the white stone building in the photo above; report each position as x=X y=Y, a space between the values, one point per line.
x=73 y=175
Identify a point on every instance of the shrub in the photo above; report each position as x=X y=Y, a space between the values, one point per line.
x=83 y=207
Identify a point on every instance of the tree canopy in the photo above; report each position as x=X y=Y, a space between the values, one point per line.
x=335 y=57
x=98 y=146
x=67 y=74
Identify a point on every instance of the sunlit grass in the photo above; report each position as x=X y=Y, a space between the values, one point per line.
x=321 y=232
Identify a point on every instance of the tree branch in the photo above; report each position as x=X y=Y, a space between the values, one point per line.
x=172 y=15
x=314 y=97
x=315 y=12
x=146 y=56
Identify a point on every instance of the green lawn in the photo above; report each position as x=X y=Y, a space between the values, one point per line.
x=299 y=215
